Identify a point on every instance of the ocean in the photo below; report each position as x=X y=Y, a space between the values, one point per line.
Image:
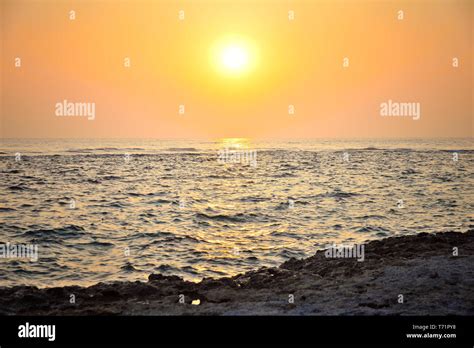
x=107 y=210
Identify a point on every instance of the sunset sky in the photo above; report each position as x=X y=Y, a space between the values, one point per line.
x=236 y=66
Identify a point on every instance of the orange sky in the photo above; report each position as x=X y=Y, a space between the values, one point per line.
x=296 y=62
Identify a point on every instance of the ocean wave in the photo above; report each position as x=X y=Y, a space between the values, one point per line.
x=96 y=243
x=239 y=217
x=182 y=149
x=376 y=217
x=106 y=149
x=111 y=177
x=19 y=187
x=70 y=231
x=166 y=269
x=340 y=194
x=457 y=150
x=372 y=229
x=175 y=238
x=409 y=171
x=128 y=267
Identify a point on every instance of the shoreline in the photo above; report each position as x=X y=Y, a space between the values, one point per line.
x=421 y=268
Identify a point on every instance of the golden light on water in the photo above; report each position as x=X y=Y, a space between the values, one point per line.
x=234 y=143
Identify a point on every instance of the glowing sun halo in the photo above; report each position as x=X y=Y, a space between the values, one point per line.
x=234 y=57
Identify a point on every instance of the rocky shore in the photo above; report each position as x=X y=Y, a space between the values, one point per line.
x=424 y=274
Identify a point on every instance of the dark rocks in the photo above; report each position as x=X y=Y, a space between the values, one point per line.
x=163 y=278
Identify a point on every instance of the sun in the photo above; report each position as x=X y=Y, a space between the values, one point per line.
x=234 y=56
